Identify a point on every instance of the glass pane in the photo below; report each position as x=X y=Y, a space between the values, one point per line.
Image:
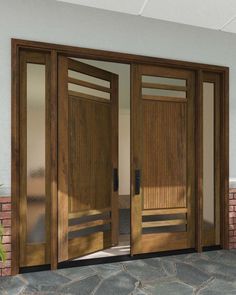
x=164 y=92
x=90 y=91
x=163 y=80
x=35 y=153
x=208 y=157
x=87 y=78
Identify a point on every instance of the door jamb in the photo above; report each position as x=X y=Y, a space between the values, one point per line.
x=126 y=58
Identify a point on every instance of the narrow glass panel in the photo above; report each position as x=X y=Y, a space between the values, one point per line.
x=35 y=153
x=208 y=161
x=87 y=78
x=90 y=91
x=164 y=92
x=163 y=80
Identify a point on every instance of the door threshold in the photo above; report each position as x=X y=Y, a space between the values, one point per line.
x=121 y=258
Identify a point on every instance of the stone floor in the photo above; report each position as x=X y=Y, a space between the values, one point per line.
x=204 y=274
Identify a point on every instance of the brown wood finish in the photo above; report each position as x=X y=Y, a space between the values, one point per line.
x=54 y=49
x=26 y=249
x=165 y=135
x=88 y=154
x=212 y=236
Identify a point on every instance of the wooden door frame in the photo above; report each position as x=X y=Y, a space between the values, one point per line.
x=71 y=51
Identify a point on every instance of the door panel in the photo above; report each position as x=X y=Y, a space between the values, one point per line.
x=88 y=140
x=163 y=153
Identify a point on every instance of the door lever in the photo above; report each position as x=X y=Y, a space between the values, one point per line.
x=115 y=180
x=137 y=182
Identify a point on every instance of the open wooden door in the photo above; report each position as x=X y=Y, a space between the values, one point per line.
x=163 y=153
x=88 y=159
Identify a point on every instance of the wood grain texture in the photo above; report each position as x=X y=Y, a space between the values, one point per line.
x=88 y=139
x=164 y=143
x=164 y=155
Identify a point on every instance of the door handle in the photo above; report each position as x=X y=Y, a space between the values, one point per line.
x=137 y=182
x=115 y=180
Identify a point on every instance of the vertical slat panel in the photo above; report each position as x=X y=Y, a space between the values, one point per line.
x=164 y=155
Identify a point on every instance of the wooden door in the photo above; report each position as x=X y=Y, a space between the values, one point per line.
x=162 y=155
x=88 y=152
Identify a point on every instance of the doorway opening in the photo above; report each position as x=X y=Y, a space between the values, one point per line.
x=119 y=163
x=86 y=85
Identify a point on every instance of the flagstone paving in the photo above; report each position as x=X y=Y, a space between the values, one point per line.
x=206 y=273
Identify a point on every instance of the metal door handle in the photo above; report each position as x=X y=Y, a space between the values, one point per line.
x=137 y=182
x=115 y=180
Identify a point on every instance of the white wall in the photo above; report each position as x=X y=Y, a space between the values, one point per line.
x=50 y=21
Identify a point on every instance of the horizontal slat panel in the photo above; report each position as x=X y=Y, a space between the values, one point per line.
x=89 y=85
x=87 y=96
x=163 y=86
x=163 y=223
x=88 y=244
x=85 y=225
x=164 y=211
x=83 y=213
x=164 y=98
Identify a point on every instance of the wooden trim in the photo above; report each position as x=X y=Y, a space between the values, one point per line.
x=80 y=52
x=88 y=224
x=164 y=98
x=63 y=188
x=53 y=160
x=102 y=55
x=80 y=214
x=160 y=223
x=89 y=85
x=15 y=165
x=88 y=96
x=199 y=161
x=163 y=86
x=164 y=211
x=224 y=159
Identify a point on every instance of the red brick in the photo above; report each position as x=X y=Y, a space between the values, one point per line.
x=231 y=233
x=232 y=214
x=6 y=207
x=5 y=264
x=231 y=208
x=7 y=231
x=232 y=239
x=5 y=200
x=231 y=221
x=7 y=247
x=8 y=255
x=6 y=222
x=6 y=239
x=6 y=271
x=7 y=215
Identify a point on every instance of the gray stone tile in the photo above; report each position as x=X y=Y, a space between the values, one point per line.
x=76 y=273
x=191 y=275
x=106 y=270
x=11 y=285
x=119 y=284
x=219 y=287
x=144 y=271
x=216 y=268
x=45 y=280
x=80 y=287
x=169 y=288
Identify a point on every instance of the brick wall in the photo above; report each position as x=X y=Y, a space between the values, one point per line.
x=5 y=219
x=232 y=218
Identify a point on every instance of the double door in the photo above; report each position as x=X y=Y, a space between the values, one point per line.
x=162 y=159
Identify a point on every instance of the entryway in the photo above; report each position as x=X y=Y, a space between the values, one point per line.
x=116 y=154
